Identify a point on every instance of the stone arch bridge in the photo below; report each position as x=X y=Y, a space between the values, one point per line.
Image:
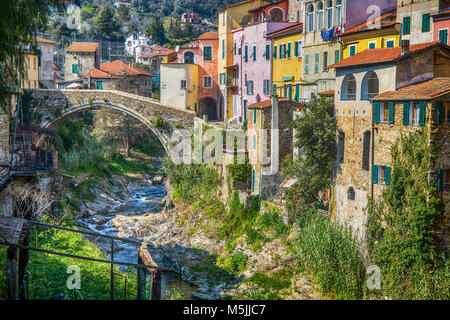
x=46 y=108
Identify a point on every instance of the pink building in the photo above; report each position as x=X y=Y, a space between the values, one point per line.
x=272 y=12
x=203 y=52
x=252 y=54
x=441 y=27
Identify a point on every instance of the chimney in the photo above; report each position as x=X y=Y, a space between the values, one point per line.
x=405 y=46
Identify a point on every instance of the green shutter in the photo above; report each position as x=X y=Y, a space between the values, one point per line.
x=75 y=68
x=253 y=180
x=443 y=36
x=374 y=173
x=352 y=50
x=422 y=113
x=391 y=113
x=406 y=25
x=297 y=92
x=405 y=113
x=439 y=112
x=246 y=53
x=426 y=22
x=254 y=116
x=290 y=92
x=387 y=175
x=296 y=48
x=274 y=88
x=440 y=179
x=376 y=112
x=306 y=64
x=390 y=44
x=289 y=50
x=372 y=45
x=336 y=56
x=254 y=53
x=281 y=51
x=267 y=51
x=274 y=52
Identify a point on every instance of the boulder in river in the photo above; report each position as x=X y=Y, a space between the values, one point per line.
x=98 y=219
x=158 y=179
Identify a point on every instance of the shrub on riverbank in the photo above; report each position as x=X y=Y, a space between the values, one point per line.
x=330 y=253
x=47 y=274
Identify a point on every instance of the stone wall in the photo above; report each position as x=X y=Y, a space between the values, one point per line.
x=85 y=62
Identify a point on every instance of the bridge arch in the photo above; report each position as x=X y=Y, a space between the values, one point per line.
x=124 y=109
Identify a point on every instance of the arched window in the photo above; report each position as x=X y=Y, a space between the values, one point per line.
x=338 y=13
x=329 y=14
x=369 y=86
x=351 y=193
x=348 y=88
x=310 y=18
x=319 y=15
x=189 y=57
x=276 y=15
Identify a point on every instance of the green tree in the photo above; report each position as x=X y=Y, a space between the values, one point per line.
x=107 y=24
x=156 y=30
x=19 y=21
x=401 y=226
x=316 y=138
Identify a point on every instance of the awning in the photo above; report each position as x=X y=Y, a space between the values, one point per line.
x=288 y=78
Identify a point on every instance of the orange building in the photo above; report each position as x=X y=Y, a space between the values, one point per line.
x=203 y=52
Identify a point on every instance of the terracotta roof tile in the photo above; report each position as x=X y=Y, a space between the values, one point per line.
x=209 y=36
x=326 y=93
x=265 y=103
x=370 y=56
x=83 y=47
x=154 y=54
x=386 y=20
x=117 y=67
x=98 y=74
x=42 y=40
x=423 y=91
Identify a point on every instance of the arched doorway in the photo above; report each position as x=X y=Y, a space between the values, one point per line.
x=208 y=106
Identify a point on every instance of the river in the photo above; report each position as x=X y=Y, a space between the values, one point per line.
x=146 y=200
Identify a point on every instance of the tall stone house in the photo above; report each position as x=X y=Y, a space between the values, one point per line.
x=46 y=72
x=415 y=17
x=380 y=94
x=81 y=57
x=295 y=11
x=269 y=141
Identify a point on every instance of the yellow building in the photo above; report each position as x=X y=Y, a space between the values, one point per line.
x=230 y=18
x=31 y=81
x=287 y=62
x=364 y=36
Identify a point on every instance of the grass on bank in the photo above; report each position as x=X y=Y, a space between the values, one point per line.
x=47 y=274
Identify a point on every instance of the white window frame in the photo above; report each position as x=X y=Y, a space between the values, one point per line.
x=338 y=12
x=328 y=14
x=319 y=12
x=210 y=81
x=414 y=113
x=212 y=54
x=387 y=40
x=350 y=49
x=439 y=31
x=370 y=42
x=185 y=84
x=310 y=18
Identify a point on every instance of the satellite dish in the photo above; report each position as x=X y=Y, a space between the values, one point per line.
x=177 y=48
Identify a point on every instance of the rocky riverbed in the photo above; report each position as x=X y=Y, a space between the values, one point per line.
x=152 y=217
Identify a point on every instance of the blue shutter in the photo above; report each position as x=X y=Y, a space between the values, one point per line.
x=374 y=173
x=439 y=179
x=439 y=112
x=422 y=113
x=405 y=113
x=387 y=175
x=253 y=180
x=376 y=112
x=391 y=112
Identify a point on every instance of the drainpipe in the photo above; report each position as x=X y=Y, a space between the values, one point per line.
x=372 y=157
